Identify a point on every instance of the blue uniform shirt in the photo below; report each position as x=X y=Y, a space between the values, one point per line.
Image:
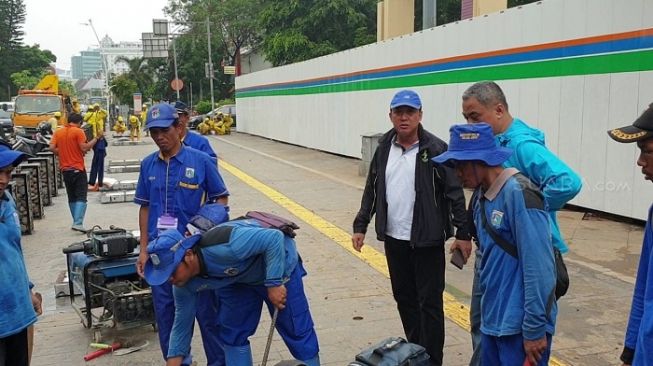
x=253 y=256
x=516 y=291
x=176 y=187
x=199 y=142
x=15 y=299
x=639 y=335
x=556 y=180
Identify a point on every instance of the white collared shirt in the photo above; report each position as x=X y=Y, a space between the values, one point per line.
x=400 y=190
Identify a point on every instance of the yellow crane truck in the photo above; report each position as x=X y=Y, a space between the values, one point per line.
x=39 y=104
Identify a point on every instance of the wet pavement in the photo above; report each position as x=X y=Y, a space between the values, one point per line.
x=349 y=294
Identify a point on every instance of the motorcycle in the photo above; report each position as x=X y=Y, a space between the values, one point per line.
x=38 y=142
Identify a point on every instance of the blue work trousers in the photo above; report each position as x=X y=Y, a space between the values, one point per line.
x=240 y=313
x=208 y=306
x=475 y=312
x=97 y=166
x=509 y=350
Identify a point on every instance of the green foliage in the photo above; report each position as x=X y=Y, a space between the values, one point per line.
x=123 y=88
x=25 y=79
x=15 y=58
x=67 y=87
x=297 y=30
x=224 y=102
x=203 y=107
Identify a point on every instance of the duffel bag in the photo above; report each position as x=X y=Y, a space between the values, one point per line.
x=393 y=351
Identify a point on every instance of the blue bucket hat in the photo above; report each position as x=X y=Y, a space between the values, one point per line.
x=406 y=98
x=10 y=157
x=209 y=215
x=161 y=115
x=164 y=255
x=473 y=141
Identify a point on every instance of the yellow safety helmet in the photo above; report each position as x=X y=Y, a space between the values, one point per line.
x=133 y=119
x=120 y=119
x=57 y=114
x=144 y=105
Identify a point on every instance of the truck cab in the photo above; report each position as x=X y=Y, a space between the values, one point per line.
x=34 y=106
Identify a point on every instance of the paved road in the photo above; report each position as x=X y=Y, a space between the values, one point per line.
x=349 y=294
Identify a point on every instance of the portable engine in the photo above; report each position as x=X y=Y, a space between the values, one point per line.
x=102 y=269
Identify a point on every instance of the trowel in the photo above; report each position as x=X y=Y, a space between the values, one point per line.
x=125 y=351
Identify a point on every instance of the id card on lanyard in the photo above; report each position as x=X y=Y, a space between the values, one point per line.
x=167 y=220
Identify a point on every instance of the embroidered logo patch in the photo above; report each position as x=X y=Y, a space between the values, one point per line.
x=425 y=156
x=497 y=218
x=231 y=271
x=190 y=173
x=151 y=178
x=155 y=113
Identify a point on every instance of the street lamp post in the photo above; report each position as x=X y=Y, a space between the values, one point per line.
x=208 y=37
x=105 y=65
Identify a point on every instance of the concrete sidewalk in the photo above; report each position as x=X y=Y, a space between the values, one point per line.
x=349 y=295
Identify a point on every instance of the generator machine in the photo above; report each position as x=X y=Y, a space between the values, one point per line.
x=102 y=269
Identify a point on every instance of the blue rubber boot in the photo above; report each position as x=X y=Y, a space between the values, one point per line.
x=238 y=356
x=79 y=211
x=315 y=361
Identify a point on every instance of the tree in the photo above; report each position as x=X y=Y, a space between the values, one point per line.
x=297 y=30
x=25 y=79
x=12 y=16
x=123 y=88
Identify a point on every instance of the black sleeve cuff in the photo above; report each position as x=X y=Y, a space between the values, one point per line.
x=463 y=235
x=627 y=356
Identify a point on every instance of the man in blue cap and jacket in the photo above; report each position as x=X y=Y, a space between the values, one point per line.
x=19 y=304
x=172 y=185
x=638 y=345
x=518 y=308
x=190 y=138
x=248 y=265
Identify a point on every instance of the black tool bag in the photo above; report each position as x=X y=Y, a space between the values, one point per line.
x=393 y=351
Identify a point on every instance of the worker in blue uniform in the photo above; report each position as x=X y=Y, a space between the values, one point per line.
x=248 y=265
x=19 y=304
x=190 y=138
x=170 y=190
x=518 y=309
x=638 y=345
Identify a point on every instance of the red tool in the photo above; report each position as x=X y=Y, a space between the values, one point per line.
x=100 y=352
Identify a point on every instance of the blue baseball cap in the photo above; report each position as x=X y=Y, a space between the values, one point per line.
x=406 y=98
x=164 y=255
x=181 y=107
x=473 y=141
x=161 y=115
x=10 y=157
x=209 y=215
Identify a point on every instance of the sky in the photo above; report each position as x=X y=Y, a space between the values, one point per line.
x=55 y=24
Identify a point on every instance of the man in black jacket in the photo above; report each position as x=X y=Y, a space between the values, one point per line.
x=416 y=205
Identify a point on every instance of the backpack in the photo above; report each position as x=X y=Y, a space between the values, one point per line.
x=268 y=220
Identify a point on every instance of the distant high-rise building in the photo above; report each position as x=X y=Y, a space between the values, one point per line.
x=89 y=62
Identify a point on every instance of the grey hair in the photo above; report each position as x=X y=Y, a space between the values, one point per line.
x=488 y=93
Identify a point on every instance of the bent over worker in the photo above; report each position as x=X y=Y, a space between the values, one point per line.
x=248 y=265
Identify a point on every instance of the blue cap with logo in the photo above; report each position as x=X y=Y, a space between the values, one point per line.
x=9 y=156
x=161 y=115
x=406 y=98
x=473 y=141
x=164 y=255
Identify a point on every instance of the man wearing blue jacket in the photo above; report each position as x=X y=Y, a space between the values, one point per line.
x=248 y=265
x=190 y=138
x=638 y=346
x=19 y=304
x=517 y=314
x=485 y=102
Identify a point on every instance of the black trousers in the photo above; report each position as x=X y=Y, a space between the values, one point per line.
x=417 y=278
x=76 y=185
x=13 y=349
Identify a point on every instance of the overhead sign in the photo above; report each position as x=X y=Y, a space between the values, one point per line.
x=177 y=84
x=230 y=70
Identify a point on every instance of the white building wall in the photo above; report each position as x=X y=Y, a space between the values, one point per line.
x=574 y=111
